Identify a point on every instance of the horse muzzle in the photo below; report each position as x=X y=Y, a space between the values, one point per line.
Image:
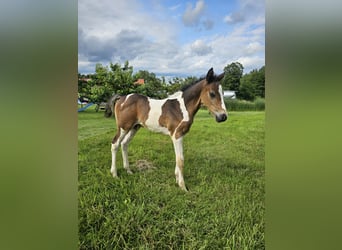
x=221 y=117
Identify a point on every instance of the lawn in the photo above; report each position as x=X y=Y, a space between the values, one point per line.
x=224 y=172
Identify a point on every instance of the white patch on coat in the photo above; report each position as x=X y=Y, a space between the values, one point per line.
x=126 y=99
x=185 y=113
x=182 y=106
x=152 y=122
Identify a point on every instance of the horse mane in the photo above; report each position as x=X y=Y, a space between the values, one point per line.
x=215 y=77
x=185 y=87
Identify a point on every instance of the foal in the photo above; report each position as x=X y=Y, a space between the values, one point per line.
x=172 y=116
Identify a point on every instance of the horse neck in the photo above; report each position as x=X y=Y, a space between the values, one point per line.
x=192 y=98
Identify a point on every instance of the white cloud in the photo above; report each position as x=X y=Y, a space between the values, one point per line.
x=200 y=48
x=175 y=7
x=208 y=24
x=191 y=16
x=235 y=17
x=254 y=47
x=196 y=16
x=249 y=11
x=250 y=63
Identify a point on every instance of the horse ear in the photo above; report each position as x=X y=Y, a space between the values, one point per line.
x=219 y=77
x=210 y=75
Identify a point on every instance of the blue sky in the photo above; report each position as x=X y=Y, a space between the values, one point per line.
x=171 y=37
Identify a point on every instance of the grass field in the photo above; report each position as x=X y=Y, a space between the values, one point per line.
x=224 y=172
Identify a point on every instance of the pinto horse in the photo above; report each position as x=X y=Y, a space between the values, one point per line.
x=172 y=116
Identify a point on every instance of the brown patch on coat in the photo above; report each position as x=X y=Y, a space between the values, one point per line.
x=131 y=111
x=171 y=115
x=183 y=128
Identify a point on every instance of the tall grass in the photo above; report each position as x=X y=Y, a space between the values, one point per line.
x=241 y=105
x=224 y=171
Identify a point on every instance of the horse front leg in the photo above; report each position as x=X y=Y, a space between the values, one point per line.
x=178 y=146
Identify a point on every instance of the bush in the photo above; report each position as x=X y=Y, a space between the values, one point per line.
x=242 y=105
x=259 y=103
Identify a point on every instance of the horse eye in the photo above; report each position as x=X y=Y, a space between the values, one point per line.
x=212 y=94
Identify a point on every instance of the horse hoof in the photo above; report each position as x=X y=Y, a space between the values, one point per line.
x=183 y=187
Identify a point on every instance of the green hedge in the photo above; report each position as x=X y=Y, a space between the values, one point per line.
x=241 y=105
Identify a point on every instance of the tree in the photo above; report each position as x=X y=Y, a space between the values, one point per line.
x=98 y=84
x=177 y=83
x=233 y=73
x=247 y=88
x=108 y=81
x=121 y=79
x=260 y=82
x=152 y=87
x=174 y=85
x=190 y=80
x=83 y=85
x=253 y=84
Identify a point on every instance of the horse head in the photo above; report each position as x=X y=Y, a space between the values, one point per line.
x=212 y=96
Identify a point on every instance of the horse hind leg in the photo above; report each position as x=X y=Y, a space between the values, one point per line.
x=120 y=134
x=124 y=146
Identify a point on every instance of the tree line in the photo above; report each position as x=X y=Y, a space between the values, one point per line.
x=247 y=86
x=120 y=79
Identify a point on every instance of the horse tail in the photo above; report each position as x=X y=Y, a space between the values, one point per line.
x=109 y=109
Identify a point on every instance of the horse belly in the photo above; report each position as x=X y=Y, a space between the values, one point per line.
x=158 y=129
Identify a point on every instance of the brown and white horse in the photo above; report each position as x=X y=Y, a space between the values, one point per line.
x=172 y=116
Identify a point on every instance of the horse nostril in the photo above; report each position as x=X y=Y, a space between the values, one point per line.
x=221 y=118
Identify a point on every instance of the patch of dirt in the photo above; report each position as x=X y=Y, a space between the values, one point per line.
x=144 y=165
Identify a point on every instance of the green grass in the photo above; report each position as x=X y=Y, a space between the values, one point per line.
x=224 y=171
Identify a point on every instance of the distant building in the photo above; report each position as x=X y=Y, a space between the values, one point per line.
x=140 y=81
x=229 y=94
x=84 y=79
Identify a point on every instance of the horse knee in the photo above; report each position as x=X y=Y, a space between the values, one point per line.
x=114 y=147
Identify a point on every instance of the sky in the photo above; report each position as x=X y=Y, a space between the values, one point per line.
x=171 y=37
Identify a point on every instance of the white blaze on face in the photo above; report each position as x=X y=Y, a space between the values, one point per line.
x=222 y=100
